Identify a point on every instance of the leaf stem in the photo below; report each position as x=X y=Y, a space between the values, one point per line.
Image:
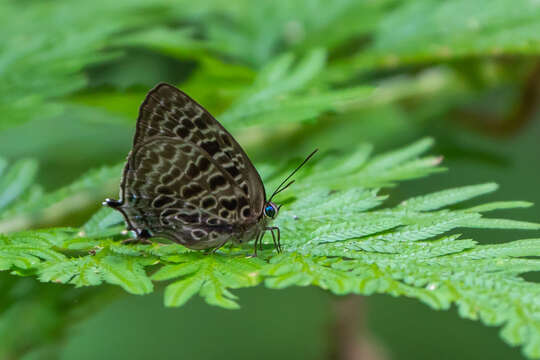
x=350 y=339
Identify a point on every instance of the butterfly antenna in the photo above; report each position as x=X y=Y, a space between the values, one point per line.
x=280 y=188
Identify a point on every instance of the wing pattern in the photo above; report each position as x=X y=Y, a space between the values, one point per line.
x=186 y=178
x=169 y=112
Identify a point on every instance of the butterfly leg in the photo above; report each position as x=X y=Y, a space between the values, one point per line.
x=279 y=239
x=274 y=239
x=141 y=237
x=277 y=242
x=258 y=240
x=261 y=242
x=255 y=245
x=216 y=248
x=115 y=204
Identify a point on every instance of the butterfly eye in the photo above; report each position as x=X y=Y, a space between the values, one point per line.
x=270 y=211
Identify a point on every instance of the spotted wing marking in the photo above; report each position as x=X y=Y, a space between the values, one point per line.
x=169 y=112
x=195 y=201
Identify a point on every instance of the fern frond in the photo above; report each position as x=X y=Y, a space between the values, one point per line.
x=381 y=171
x=127 y=272
x=16 y=181
x=209 y=276
x=64 y=200
x=55 y=58
x=448 y=197
x=483 y=32
x=499 y=205
x=286 y=93
x=252 y=33
x=340 y=239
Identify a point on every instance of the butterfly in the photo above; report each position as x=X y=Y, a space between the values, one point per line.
x=188 y=180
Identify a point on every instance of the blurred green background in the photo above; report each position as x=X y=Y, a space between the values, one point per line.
x=386 y=72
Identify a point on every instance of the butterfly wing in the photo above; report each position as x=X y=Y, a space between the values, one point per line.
x=174 y=189
x=169 y=112
x=186 y=177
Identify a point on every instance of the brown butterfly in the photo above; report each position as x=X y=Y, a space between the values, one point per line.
x=188 y=180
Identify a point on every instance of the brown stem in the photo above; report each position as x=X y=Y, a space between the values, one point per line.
x=350 y=337
x=521 y=113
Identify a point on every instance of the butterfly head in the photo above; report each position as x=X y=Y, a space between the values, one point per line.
x=271 y=210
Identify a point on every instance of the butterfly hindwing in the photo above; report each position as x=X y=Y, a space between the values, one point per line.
x=169 y=170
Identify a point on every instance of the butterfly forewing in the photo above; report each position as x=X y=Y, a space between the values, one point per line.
x=169 y=112
x=186 y=178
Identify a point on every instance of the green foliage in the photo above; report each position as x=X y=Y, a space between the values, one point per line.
x=38 y=67
x=319 y=74
x=337 y=238
x=293 y=24
x=209 y=276
x=431 y=31
x=250 y=32
x=274 y=98
x=36 y=313
x=14 y=183
x=28 y=201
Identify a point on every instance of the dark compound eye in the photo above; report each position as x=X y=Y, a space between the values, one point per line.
x=270 y=211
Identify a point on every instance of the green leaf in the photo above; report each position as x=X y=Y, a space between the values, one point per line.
x=499 y=205
x=25 y=256
x=427 y=31
x=286 y=93
x=102 y=223
x=208 y=276
x=318 y=74
x=294 y=269
x=501 y=224
x=340 y=238
x=53 y=59
x=129 y=273
x=381 y=171
x=64 y=200
x=18 y=179
x=448 y=197
x=99 y=266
